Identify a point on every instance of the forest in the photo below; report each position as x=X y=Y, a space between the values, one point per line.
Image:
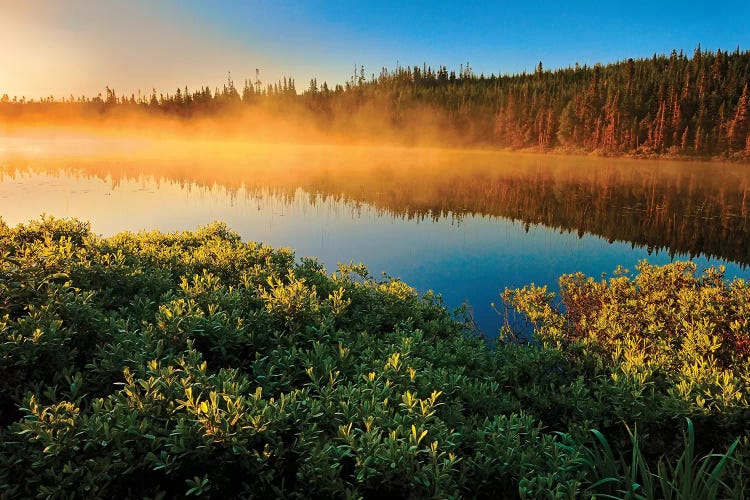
x=666 y=105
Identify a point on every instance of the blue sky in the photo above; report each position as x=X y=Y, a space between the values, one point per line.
x=78 y=46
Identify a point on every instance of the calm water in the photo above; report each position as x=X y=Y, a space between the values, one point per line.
x=465 y=224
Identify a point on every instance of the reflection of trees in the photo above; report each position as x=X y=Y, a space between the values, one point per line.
x=692 y=212
x=683 y=208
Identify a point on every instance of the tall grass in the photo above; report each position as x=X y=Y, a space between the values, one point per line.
x=690 y=477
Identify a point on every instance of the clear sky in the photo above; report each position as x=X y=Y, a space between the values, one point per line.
x=78 y=46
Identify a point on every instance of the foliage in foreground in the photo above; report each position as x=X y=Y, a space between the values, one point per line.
x=158 y=365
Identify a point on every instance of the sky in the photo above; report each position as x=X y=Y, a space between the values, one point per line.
x=77 y=47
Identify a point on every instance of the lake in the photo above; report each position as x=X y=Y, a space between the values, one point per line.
x=465 y=224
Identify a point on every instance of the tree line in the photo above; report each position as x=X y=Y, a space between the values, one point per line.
x=664 y=105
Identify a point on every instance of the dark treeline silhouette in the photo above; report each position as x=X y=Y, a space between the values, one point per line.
x=659 y=106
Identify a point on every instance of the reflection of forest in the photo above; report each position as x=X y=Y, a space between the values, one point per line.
x=690 y=208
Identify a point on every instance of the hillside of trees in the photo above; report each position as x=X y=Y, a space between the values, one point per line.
x=667 y=105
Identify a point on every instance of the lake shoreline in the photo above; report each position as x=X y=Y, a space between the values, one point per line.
x=161 y=128
x=575 y=152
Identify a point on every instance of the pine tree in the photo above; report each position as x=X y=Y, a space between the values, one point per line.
x=737 y=132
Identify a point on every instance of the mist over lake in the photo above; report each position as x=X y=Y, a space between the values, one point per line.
x=464 y=223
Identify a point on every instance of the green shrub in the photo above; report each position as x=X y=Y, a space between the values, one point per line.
x=664 y=343
x=161 y=365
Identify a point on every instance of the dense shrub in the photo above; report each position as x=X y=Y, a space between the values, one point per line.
x=680 y=338
x=159 y=365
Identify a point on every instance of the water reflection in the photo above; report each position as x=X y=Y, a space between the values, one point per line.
x=464 y=223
